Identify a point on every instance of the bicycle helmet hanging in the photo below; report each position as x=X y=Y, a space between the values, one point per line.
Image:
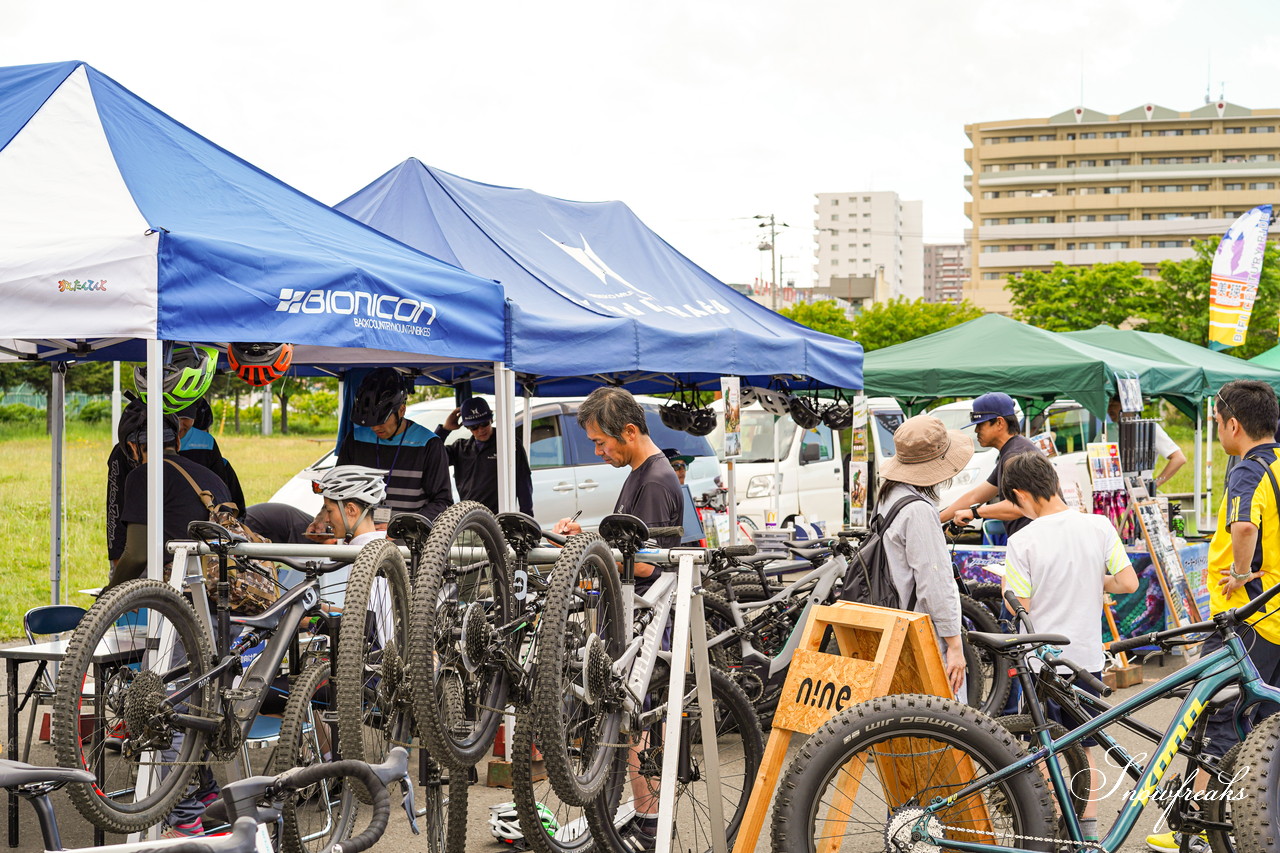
x=260 y=364
x=188 y=371
x=381 y=393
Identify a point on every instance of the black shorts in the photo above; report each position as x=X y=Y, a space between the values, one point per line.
x=1068 y=721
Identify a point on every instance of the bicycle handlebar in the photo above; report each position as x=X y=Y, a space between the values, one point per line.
x=1084 y=675
x=1235 y=616
x=302 y=777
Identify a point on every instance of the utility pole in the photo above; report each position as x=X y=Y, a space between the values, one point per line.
x=773 y=225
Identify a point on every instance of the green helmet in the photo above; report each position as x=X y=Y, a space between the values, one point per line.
x=186 y=377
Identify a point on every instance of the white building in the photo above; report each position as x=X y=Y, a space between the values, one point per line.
x=858 y=232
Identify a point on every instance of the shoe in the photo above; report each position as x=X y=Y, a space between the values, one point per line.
x=183 y=830
x=636 y=839
x=208 y=797
x=1170 y=842
x=116 y=736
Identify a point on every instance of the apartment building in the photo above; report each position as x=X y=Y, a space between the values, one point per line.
x=858 y=232
x=946 y=271
x=1083 y=187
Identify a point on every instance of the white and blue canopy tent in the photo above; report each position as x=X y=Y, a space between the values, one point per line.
x=121 y=228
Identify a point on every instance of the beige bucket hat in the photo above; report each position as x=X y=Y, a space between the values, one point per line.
x=927 y=452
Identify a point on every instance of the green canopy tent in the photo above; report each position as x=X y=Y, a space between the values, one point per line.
x=1218 y=368
x=1035 y=367
x=1270 y=358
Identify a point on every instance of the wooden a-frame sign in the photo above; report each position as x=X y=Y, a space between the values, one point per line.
x=882 y=651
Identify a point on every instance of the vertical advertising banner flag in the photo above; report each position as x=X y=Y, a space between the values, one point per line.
x=731 y=391
x=1233 y=284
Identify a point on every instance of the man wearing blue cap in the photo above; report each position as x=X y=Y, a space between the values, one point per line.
x=995 y=419
x=475 y=459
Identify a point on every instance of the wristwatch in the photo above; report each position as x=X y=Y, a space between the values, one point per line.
x=1240 y=577
x=974 y=509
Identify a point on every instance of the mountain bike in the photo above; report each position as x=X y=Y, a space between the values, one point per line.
x=252 y=806
x=901 y=771
x=602 y=704
x=171 y=706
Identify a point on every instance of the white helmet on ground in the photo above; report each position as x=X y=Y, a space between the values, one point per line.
x=353 y=483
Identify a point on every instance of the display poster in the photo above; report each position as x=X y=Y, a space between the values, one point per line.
x=1044 y=443
x=1129 y=390
x=859 y=469
x=1104 y=466
x=731 y=391
x=1164 y=556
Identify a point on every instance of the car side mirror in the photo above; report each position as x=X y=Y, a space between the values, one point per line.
x=810 y=453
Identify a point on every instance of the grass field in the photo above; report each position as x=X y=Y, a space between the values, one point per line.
x=263 y=465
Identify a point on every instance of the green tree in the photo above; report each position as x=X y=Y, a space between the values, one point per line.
x=1065 y=299
x=1179 y=301
x=825 y=316
x=898 y=320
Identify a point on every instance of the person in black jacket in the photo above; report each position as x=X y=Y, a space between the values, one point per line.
x=475 y=459
x=198 y=445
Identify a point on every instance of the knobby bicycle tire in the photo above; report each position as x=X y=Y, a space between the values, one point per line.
x=974 y=616
x=571 y=833
x=445 y=802
x=130 y=690
x=948 y=742
x=1217 y=806
x=371 y=687
x=1022 y=727
x=578 y=733
x=1257 y=813
x=443 y=598
x=303 y=735
x=740 y=744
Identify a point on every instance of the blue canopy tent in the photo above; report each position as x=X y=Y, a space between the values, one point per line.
x=121 y=228
x=595 y=296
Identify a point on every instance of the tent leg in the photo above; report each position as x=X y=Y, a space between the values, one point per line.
x=504 y=390
x=58 y=426
x=1208 y=466
x=117 y=399
x=155 y=471
x=731 y=477
x=1197 y=500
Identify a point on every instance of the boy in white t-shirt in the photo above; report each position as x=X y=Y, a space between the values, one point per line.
x=1059 y=566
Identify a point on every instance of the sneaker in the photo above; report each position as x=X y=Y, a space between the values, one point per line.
x=636 y=839
x=115 y=738
x=208 y=797
x=1170 y=842
x=183 y=830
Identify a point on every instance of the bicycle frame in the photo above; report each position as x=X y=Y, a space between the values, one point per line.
x=826 y=576
x=1228 y=665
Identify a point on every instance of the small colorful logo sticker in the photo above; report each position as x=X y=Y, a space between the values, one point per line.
x=65 y=286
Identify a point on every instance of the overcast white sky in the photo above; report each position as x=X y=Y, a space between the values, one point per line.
x=697 y=113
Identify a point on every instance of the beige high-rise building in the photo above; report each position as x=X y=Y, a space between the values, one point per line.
x=858 y=232
x=946 y=271
x=1083 y=187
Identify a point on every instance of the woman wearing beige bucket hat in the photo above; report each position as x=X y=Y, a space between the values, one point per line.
x=927 y=455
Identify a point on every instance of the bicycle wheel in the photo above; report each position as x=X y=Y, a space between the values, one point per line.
x=1217 y=803
x=1256 y=813
x=548 y=823
x=862 y=780
x=325 y=813
x=996 y=684
x=371 y=686
x=1022 y=727
x=444 y=812
x=130 y=714
x=989 y=595
x=577 y=702
x=458 y=659
x=636 y=780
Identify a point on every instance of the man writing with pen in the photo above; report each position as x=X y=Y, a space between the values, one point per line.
x=615 y=424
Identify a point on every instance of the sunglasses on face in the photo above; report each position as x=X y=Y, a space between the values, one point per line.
x=679 y=466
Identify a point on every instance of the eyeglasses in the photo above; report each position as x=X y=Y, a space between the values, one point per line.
x=679 y=466
x=1222 y=407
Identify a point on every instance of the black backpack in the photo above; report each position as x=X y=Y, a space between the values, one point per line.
x=868 y=579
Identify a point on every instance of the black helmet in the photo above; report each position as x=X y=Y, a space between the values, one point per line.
x=675 y=416
x=803 y=413
x=701 y=422
x=838 y=416
x=132 y=418
x=382 y=392
x=201 y=414
x=168 y=431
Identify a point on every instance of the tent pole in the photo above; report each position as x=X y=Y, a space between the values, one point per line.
x=116 y=397
x=1208 y=464
x=1197 y=500
x=504 y=416
x=58 y=426
x=155 y=471
x=528 y=422
x=777 y=475
x=266 y=410
x=731 y=477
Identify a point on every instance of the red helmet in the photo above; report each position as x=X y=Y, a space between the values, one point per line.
x=260 y=364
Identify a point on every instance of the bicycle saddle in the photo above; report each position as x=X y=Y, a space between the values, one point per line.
x=15 y=773
x=410 y=528
x=1010 y=642
x=624 y=531
x=811 y=554
x=214 y=535
x=522 y=531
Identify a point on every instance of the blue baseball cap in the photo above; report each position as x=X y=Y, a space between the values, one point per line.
x=476 y=412
x=988 y=407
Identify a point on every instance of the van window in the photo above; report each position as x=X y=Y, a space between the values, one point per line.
x=887 y=424
x=1072 y=428
x=584 y=451
x=546 y=448
x=820 y=436
x=757 y=435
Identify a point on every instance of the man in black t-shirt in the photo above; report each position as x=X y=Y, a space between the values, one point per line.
x=995 y=419
x=181 y=503
x=615 y=424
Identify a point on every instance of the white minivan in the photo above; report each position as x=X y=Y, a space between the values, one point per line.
x=567 y=475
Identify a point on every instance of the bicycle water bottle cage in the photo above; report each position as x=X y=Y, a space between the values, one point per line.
x=624 y=532
x=217 y=537
x=410 y=528
x=522 y=531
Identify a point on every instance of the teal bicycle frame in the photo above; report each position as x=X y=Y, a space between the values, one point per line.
x=1225 y=666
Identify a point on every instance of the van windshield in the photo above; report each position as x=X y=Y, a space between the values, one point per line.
x=757 y=435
